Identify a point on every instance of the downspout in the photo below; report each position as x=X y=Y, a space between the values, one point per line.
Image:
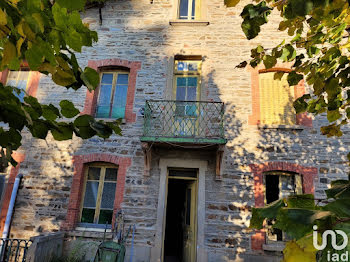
x=9 y=214
x=11 y=206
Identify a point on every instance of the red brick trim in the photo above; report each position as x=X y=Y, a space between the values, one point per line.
x=308 y=176
x=33 y=82
x=78 y=184
x=299 y=90
x=19 y=157
x=91 y=97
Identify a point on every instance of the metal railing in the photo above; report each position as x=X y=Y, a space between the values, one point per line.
x=14 y=250
x=186 y=121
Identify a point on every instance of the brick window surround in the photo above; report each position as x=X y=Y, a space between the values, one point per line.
x=19 y=157
x=91 y=97
x=308 y=175
x=33 y=82
x=80 y=162
x=299 y=90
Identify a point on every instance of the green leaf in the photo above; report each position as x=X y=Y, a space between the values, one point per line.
x=294 y=78
x=254 y=16
x=331 y=130
x=72 y=5
x=63 y=78
x=68 y=109
x=257 y=219
x=74 y=40
x=301 y=201
x=83 y=124
x=231 y=3
x=91 y=78
x=102 y=130
x=333 y=115
x=39 y=129
x=340 y=207
x=300 y=105
x=34 y=57
x=3 y=19
x=269 y=61
x=50 y=112
x=9 y=53
x=62 y=132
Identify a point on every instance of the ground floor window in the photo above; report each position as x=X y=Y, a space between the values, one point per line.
x=99 y=194
x=279 y=185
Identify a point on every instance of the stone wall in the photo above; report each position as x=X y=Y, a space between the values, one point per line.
x=136 y=30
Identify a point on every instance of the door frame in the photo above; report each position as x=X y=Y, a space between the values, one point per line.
x=165 y=164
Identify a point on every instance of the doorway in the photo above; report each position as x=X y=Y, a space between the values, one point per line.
x=181 y=217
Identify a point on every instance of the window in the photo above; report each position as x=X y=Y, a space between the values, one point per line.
x=189 y=9
x=99 y=194
x=112 y=97
x=276 y=100
x=279 y=185
x=186 y=93
x=20 y=80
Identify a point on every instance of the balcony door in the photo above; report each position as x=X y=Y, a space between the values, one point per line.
x=187 y=95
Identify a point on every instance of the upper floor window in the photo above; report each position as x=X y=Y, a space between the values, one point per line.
x=189 y=9
x=99 y=194
x=276 y=100
x=280 y=185
x=112 y=96
x=19 y=79
x=187 y=80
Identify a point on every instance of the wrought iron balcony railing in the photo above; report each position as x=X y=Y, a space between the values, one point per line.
x=183 y=122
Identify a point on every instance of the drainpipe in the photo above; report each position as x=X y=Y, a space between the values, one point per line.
x=9 y=213
x=11 y=205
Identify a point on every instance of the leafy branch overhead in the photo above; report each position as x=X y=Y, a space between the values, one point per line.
x=45 y=34
x=318 y=47
x=296 y=215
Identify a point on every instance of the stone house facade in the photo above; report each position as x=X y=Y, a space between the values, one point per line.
x=188 y=173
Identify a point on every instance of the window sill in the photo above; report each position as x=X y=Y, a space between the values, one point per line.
x=290 y=127
x=277 y=246
x=180 y=22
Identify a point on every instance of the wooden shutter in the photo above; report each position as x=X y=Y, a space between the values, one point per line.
x=198 y=10
x=276 y=100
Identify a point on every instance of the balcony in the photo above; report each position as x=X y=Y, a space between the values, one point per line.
x=184 y=122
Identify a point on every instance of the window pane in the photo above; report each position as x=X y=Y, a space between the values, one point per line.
x=181 y=93
x=122 y=79
x=192 y=81
x=91 y=194
x=119 y=103
x=107 y=79
x=105 y=95
x=183 y=9
x=88 y=215
x=191 y=94
x=108 y=195
x=181 y=81
x=111 y=174
x=105 y=216
x=94 y=173
x=18 y=79
x=193 y=9
x=103 y=106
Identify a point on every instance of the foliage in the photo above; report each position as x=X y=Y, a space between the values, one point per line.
x=297 y=214
x=318 y=47
x=45 y=34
